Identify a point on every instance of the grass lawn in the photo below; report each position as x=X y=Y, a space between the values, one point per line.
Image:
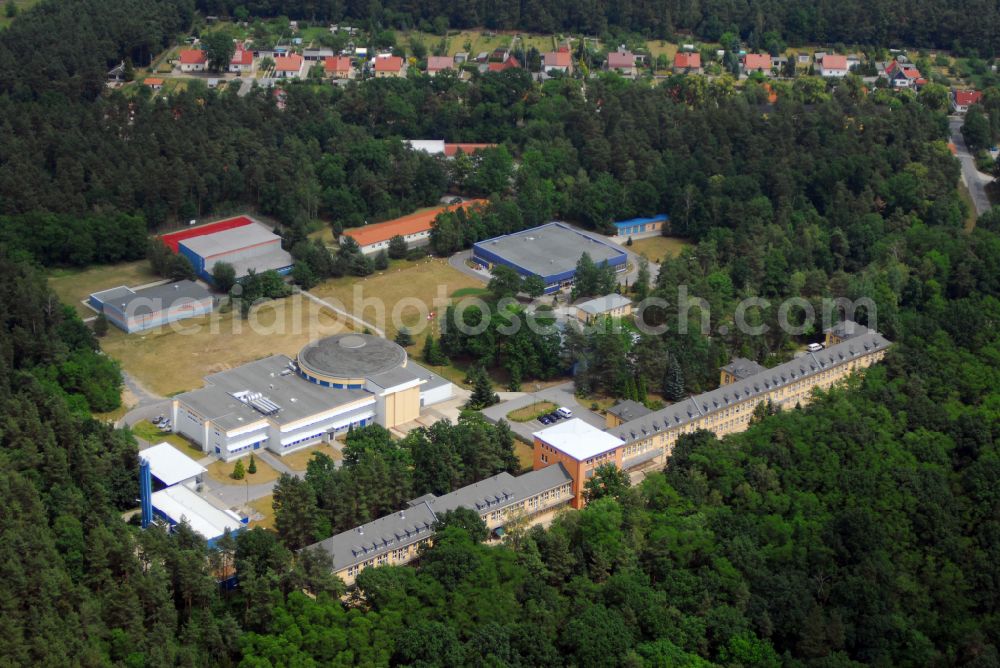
x=147 y=431
x=469 y=292
x=392 y=294
x=22 y=6
x=970 y=219
x=525 y=454
x=264 y=507
x=220 y=472
x=74 y=285
x=168 y=361
x=297 y=461
x=655 y=249
x=529 y=413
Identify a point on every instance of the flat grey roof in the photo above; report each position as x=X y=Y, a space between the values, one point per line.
x=351 y=356
x=112 y=293
x=277 y=258
x=226 y=241
x=550 y=249
x=604 y=304
x=297 y=397
x=629 y=410
x=394 y=377
x=165 y=296
x=741 y=367
x=694 y=407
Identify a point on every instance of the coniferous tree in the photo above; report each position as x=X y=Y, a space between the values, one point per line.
x=252 y=468
x=239 y=472
x=397 y=247
x=100 y=325
x=482 y=390
x=673 y=381
x=403 y=337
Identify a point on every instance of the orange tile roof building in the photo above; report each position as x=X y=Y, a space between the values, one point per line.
x=414 y=228
x=687 y=62
x=338 y=67
x=757 y=62
x=389 y=66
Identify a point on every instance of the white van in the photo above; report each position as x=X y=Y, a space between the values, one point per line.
x=565 y=412
x=814 y=347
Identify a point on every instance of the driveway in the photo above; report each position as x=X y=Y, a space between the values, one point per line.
x=973 y=179
x=560 y=395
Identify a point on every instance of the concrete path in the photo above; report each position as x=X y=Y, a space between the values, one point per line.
x=343 y=313
x=276 y=463
x=973 y=179
x=458 y=261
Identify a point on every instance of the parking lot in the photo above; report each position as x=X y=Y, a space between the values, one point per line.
x=560 y=395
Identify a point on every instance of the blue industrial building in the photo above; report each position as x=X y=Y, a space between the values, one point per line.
x=549 y=251
x=638 y=228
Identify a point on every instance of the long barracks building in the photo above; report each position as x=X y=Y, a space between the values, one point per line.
x=636 y=437
x=396 y=539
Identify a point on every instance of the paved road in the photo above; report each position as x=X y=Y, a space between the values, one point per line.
x=560 y=395
x=974 y=180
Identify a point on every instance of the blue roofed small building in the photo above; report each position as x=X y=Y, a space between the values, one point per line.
x=549 y=252
x=247 y=247
x=640 y=228
x=136 y=310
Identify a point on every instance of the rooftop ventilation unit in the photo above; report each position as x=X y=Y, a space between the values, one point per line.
x=258 y=402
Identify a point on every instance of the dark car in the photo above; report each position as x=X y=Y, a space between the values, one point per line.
x=554 y=417
x=545 y=419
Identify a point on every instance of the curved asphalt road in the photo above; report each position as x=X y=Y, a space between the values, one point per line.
x=974 y=180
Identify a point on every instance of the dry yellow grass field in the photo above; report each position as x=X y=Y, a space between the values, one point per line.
x=655 y=249
x=298 y=461
x=263 y=505
x=168 y=360
x=74 y=285
x=220 y=472
x=398 y=290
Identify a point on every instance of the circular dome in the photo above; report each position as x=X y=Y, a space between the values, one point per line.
x=349 y=358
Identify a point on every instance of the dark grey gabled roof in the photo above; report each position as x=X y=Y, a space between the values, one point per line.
x=380 y=536
x=758 y=384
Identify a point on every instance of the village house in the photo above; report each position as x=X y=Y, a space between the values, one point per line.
x=437 y=64
x=687 y=63
x=289 y=67
x=317 y=55
x=832 y=66
x=757 y=62
x=241 y=62
x=192 y=60
x=903 y=75
x=389 y=66
x=623 y=62
x=153 y=82
x=338 y=67
x=961 y=100
x=557 y=61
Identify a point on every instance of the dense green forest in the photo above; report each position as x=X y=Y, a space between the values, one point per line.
x=950 y=24
x=860 y=530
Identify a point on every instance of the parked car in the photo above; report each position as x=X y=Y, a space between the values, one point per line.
x=545 y=419
x=555 y=417
x=564 y=412
x=814 y=347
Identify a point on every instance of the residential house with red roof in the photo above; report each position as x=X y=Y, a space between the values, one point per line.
x=153 y=82
x=437 y=64
x=621 y=61
x=389 y=66
x=757 y=62
x=338 y=67
x=291 y=66
x=832 y=66
x=557 y=61
x=687 y=62
x=241 y=62
x=192 y=60
x=961 y=100
x=904 y=75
